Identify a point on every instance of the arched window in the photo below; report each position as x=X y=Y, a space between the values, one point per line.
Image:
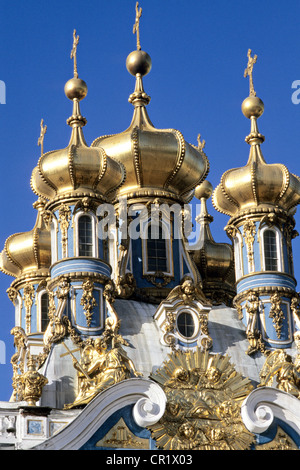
x=270 y=250
x=185 y=324
x=85 y=236
x=44 y=311
x=156 y=250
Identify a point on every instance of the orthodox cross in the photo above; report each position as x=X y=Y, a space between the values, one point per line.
x=74 y=52
x=136 y=26
x=249 y=71
x=42 y=135
x=201 y=145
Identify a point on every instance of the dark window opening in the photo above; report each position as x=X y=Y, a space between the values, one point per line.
x=157 y=251
x=185 y=324
x=270 y=251
x=85 y=231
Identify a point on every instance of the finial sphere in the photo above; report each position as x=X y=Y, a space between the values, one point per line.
x=138 y=62
x=204 y=189
x=76 y=88
x=252 y=106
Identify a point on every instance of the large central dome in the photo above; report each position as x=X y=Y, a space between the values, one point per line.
x=158 y=162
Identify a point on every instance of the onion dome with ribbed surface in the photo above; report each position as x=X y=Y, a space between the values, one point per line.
x=77 y=170
x=28 y=253
x=158 y=162
x=257 y=185
x=215 y=261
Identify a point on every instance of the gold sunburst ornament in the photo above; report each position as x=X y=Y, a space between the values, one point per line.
x=204 y=395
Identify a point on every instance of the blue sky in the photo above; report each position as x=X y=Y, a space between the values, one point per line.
x=199 y=53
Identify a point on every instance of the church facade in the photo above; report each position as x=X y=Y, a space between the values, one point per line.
x=126 y=335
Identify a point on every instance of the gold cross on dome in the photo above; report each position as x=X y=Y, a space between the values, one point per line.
x=201 y=145
x=42 y=135
x=74 y=52
x=249 y=71
x=136 y=26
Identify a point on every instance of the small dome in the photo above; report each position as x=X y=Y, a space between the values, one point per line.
x=257 y=185
x=158 y=162
x=215 y=261
x=28 y=253
x=77 y=170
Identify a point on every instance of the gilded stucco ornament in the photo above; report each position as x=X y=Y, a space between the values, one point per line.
x=17 y=361
x=87 y=300
x=32 y=383
x=276 y=313
x=254 y=336
x=28 y=298
x=64 y=217
x=204 y=396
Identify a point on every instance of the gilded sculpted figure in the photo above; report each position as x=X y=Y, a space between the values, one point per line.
x=100 y=367
x=187 y=291
x=280 y=367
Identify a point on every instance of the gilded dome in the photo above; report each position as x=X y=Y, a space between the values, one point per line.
x=28 y=253
x=215 y=261
x=158 y=162
x=257 y=185
x=77 y=170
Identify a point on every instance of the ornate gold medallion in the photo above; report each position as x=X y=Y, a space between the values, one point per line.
x=204 y=394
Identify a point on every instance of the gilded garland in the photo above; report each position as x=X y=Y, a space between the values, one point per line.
x=204 y=395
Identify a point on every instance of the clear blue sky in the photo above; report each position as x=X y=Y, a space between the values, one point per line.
x=199 y=52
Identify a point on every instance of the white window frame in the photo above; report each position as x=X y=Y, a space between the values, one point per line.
x=94 y=232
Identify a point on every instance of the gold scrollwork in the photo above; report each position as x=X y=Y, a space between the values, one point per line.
x=159 y=279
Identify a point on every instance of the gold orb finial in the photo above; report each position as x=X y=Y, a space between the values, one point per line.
x=138 y=62
x=76 y=88
x=204 y=189
x=253 y=106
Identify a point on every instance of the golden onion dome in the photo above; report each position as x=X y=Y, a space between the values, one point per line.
x=215 y=261
x=28 y=253
x=77 y=170
x=257 y=185
x=158 y=162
